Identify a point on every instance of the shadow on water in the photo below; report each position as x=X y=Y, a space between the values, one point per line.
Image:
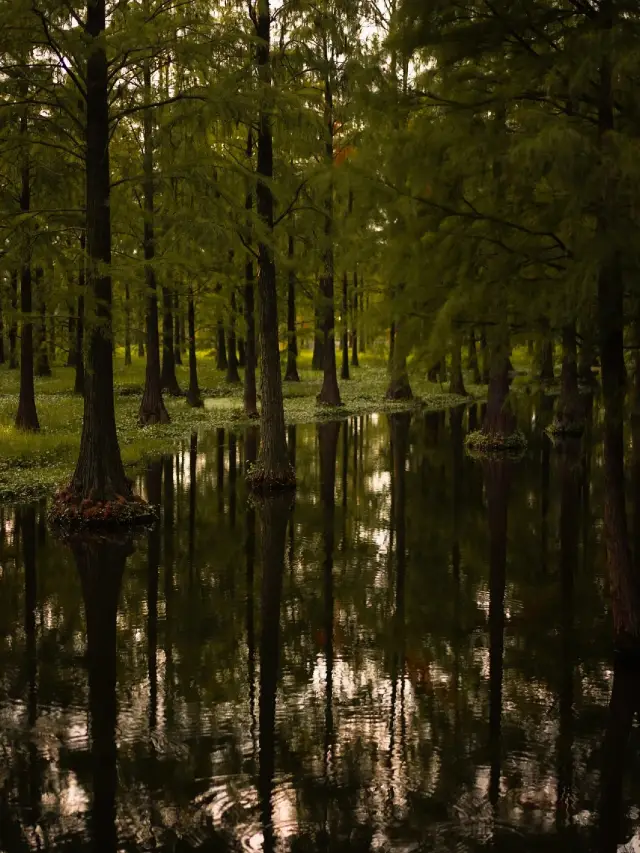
x=414 y=655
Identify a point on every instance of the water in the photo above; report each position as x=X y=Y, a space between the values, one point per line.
x=415 y=656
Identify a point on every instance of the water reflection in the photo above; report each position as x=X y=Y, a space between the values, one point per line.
x=415 y=656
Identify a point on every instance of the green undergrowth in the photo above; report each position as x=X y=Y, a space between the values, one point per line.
x=32 y=465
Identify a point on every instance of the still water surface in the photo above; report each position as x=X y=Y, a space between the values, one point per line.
x=413 y=656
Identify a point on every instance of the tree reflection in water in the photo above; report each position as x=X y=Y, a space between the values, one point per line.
x=411 y=679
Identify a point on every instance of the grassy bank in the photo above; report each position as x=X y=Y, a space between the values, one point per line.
x=33 y=465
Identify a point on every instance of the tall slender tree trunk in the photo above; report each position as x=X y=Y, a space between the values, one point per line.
x=354 y=323
x=152 y=407
x=274 y=468
x=291 y=374
x=329 y=393
x=127 y=324
x=499 y=420
x=233 y=377
x=177 y=332
x=546 y=371
x=472 y=359
x=456 y=384
x=399 y=387
x=99 y=472
x=71 y=332
x=249 y=389
x=623 y=581
x=13 y=326
x=2 y=350
x=569 y=417
x=78 y=387
x=344 y=373
x=27 y=416
x=42 y=366
x=317 y=357
x=194 y=397
x=168 y=379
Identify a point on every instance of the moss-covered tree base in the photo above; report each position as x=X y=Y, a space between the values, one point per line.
x=563 y=427
x=480 y=442
x=73 y=513
x=260 y=480
x=194 y=399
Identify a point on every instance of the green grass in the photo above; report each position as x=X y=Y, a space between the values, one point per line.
x=35 y=464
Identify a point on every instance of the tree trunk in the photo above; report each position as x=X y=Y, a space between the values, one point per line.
x=233 y=377
x=42 y=366
x=221 y=347
x=291 y=374
x=273 y=468
x=2 y=351
x=249 y=390
x=587 y=356
x=354 y=323
x=499 y=420
x=127 y=324
x=242 y=352
x=623 y=581
x=472 y=359
x=177 y=342
x=545 y=354
x=71 y=336
x=27 y=416
x=80 y=355
x=569 y=418
x=399 y=387
x=317 y=359
x=140 y=344
x=344 y=373
x=99 y=473
x=168 y=379
x=194 y=397
x=52 y=339
x=13 y=326
x=486 y=359
x=152 y=408
x=456 y=385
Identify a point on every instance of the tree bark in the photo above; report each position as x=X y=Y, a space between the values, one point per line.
x=291 y=374
x=99 y=473
x=249 y=390
x=456 y=385
x=221 y=346
x=499 y=419
x=472 y=359
x=274 y=466
x=13 y=326
x=399 y=387
x=42 y=366
x=168 y=379
x=569 y=417
x=177 y=332
x=486 y=359
x=344 y=373
x=329 y=393
x=194 y=398
x=354 y=323
x=233 y=377
x=545 y=354
x=152 y=408
x=623 y=581
x=80 y=355
x=27 y=416
x=317 y=358
x=127 y=324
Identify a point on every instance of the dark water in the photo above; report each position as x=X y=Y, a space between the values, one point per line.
x=415 y=656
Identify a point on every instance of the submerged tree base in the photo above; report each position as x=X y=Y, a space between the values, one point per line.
x=489 y=443
x=75 y=513
x=260 y=480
